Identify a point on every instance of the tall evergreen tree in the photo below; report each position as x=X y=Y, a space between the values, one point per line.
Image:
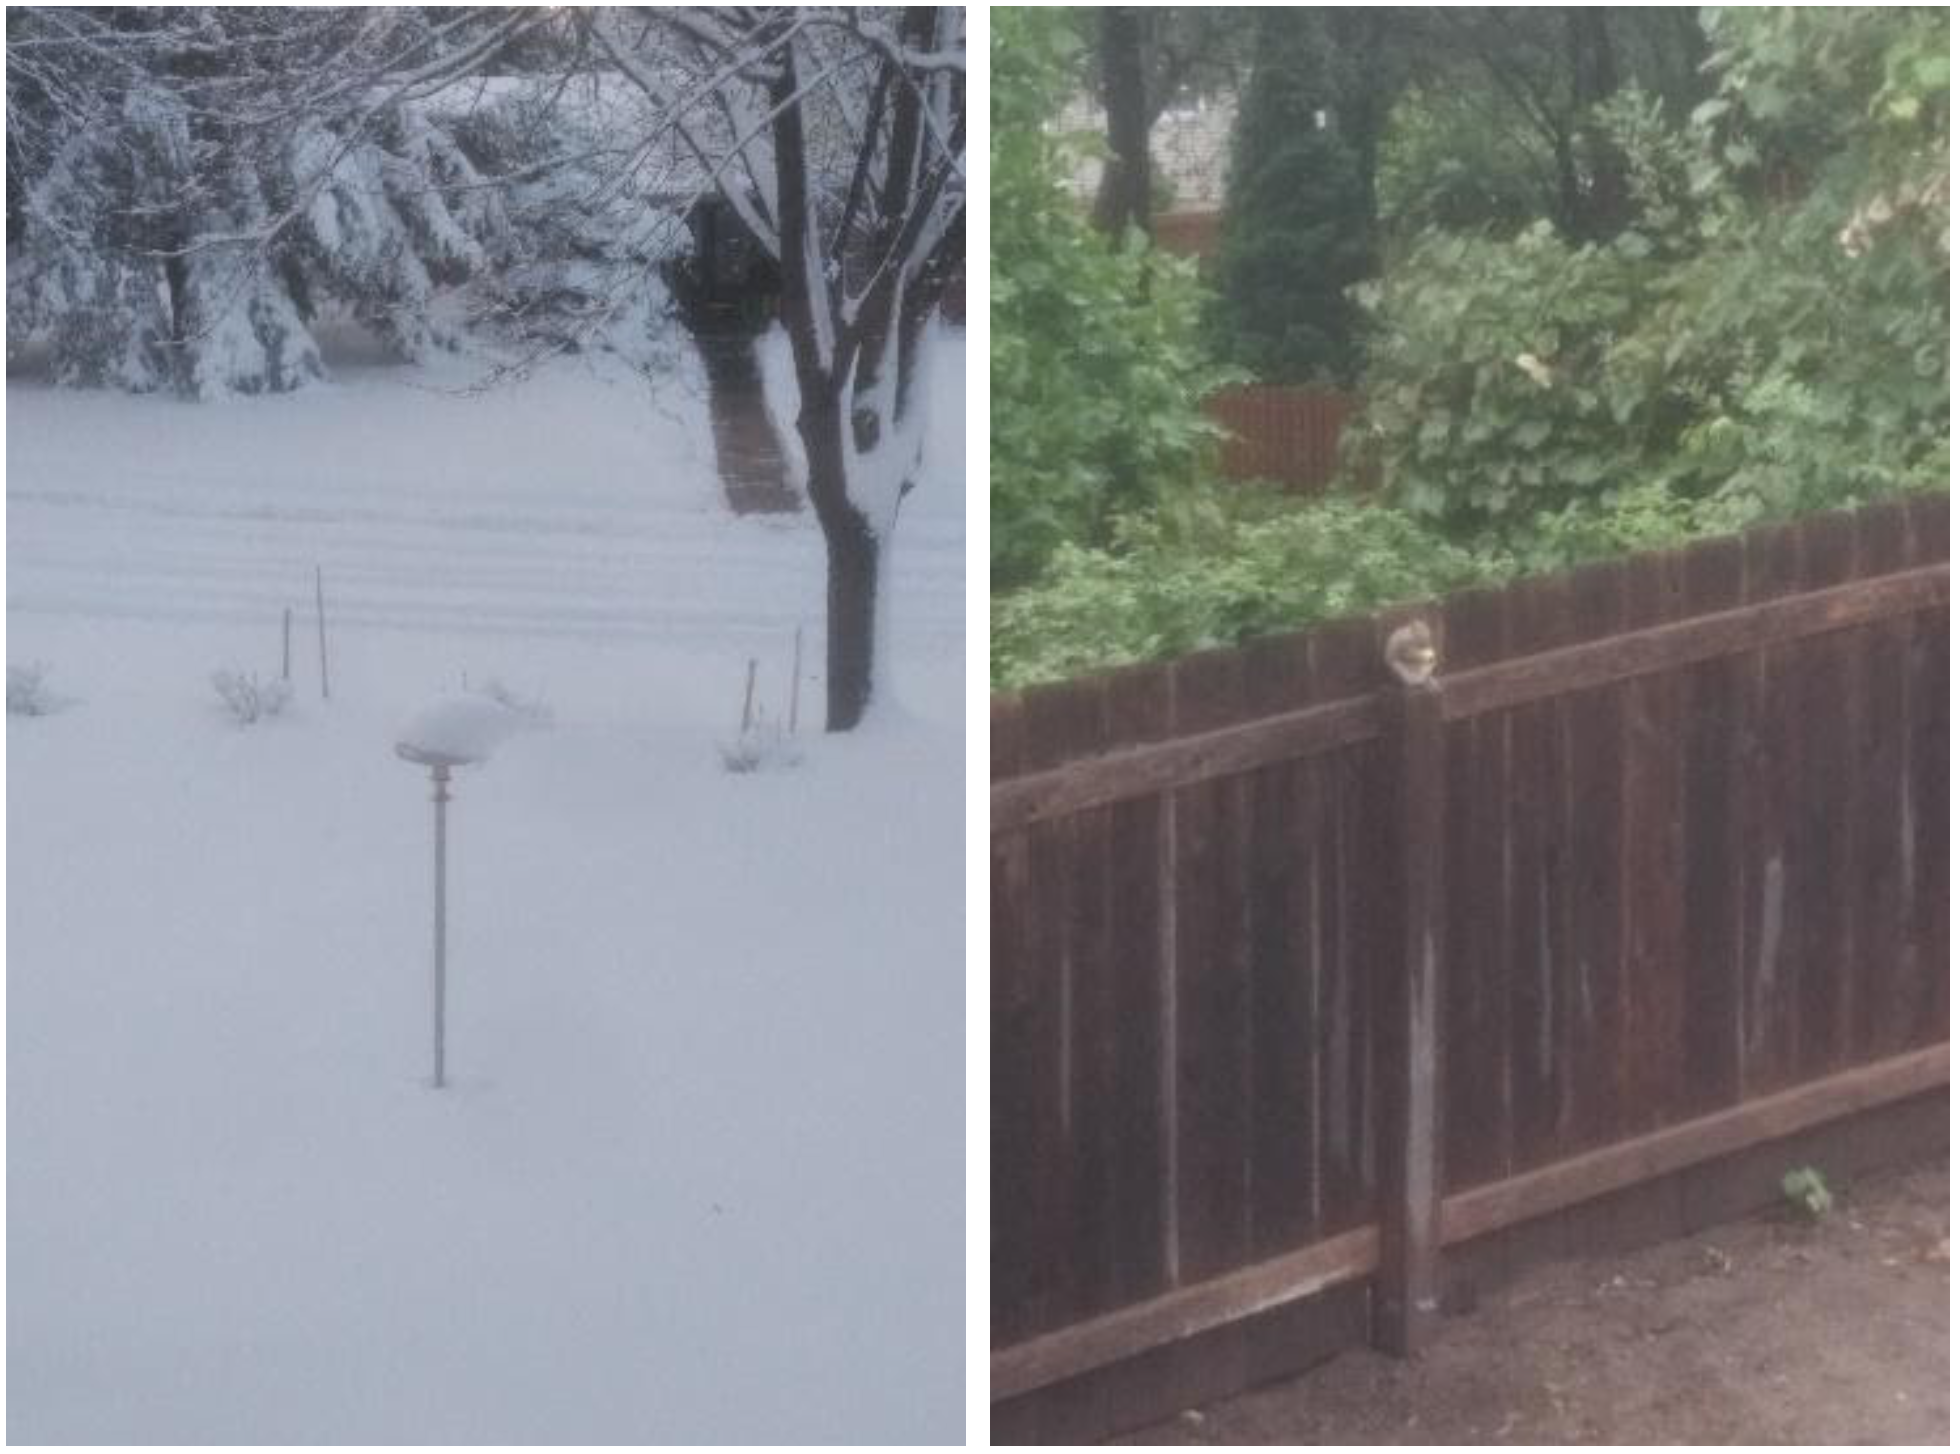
x=1299 y=227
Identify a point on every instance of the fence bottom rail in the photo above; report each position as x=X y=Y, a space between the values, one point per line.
x=1051 y=1358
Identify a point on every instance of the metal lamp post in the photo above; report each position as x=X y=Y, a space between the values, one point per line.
x=449 y=733
x=438 y=765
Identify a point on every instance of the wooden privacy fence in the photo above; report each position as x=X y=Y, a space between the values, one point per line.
x=1189 y=233
x=1286 y=434
x=1301 y=974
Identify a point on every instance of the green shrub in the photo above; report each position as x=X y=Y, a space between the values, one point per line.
x=1443 y=164
x=1096 y=363
x=1238 y=563
x=1733 y=356
x=1493 y=393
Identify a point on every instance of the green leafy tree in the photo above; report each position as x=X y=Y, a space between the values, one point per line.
x=1097 y=363
x=1768 y=334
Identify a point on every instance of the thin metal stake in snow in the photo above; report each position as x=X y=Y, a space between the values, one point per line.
x=286 y=646
x=795 y=680
x=439 y=776
x=320 y=610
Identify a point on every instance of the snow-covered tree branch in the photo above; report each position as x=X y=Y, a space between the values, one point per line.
x=189 y=187
x=838 y=138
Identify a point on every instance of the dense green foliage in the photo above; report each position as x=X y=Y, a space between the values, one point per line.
x=1764 y=330
x=1492 y=392
x=1443 y=164
x=1765 y=337
x=1244 y=563
x=1097 y=365
x=1298 y=227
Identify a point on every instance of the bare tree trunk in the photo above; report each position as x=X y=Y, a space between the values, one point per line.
x=853 y=557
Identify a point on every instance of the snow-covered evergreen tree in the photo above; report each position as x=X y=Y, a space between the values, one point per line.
x=190 y=187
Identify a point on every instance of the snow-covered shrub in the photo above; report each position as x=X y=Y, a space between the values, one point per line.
x=763 y=745
x=27 y=692
x=248 y=698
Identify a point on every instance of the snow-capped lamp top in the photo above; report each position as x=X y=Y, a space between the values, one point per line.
x=455 y=731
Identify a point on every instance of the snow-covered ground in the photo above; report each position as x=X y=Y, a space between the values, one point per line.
x=699 y=1173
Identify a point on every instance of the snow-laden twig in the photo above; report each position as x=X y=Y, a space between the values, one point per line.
x=249 y=699
x=27 y=691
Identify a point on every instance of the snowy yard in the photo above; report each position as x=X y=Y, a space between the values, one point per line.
x=699 y=1174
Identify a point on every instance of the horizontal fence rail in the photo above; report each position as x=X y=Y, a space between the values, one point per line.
x=1302 y=974
x=1138 y=771
x=1357 y=1254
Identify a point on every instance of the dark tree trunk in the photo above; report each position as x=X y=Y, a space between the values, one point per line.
x=1606 y=204
x=851 y=552
x=1124 y=195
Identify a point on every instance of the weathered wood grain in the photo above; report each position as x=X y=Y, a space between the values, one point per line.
x=1636 y=653
x=1693 y=874
x=1409 y=1020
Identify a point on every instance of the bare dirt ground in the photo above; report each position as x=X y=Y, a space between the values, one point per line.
x=1768 y=1331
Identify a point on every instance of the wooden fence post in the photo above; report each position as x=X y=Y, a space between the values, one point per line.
x=1410 y=999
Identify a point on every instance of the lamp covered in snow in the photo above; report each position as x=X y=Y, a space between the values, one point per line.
x=450 y=732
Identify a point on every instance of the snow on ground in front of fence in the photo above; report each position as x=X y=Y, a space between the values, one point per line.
x=699 y=1175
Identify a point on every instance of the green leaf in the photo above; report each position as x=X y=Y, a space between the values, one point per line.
x=1711 y=110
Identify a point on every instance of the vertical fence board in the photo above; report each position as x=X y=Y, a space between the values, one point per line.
x=1929 y=527
x=1354 y=840
x=1653 y=989
x=1012 y=1094
x=1835 y=688
x=1538 y=618
x=1284 y=969
x=1214 y=1130
x=1714 y=846
x=1929 y=707
x=1098 y=1221
x=1067 y=889
x=1011 y=1109
x=1880 y=1009
x=1593 y=723
x=1775 y=921
x=1476 y=874
x=1137 y=703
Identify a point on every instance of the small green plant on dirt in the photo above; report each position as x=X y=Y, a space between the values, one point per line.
x=1805 y=1189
